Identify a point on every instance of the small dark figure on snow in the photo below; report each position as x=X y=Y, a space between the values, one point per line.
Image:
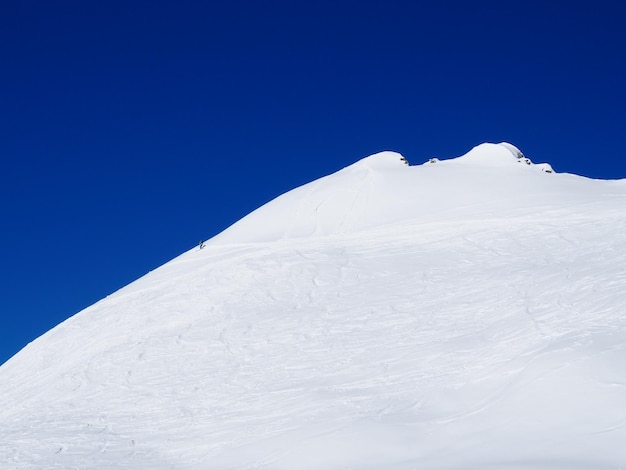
x=201 y=244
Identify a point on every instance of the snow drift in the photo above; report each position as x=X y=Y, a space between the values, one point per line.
x=465 y=313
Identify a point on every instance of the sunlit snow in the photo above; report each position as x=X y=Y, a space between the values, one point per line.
x=461 y=313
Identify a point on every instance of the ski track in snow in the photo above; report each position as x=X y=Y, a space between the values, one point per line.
x=492 y=342
x=305 y=361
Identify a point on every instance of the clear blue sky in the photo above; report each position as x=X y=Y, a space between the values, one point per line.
x=131 y=130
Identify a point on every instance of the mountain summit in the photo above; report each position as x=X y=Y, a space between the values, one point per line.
x=460 y=313
x=500 y=154
x=382 y=190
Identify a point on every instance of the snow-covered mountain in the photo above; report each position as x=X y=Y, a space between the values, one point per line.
x=463 y=313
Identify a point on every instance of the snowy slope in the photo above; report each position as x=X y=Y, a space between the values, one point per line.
x=382 y=190
x=466 y=313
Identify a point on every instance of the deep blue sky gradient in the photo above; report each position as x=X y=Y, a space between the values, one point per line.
x=131 y=130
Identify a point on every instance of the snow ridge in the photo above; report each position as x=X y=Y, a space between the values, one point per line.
x=383 y=189
x=462 y=314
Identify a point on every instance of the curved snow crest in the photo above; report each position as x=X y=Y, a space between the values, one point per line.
x=350 y=199
x=386 y=160
x=503 y=153
x=493 y=154
x=383 y=189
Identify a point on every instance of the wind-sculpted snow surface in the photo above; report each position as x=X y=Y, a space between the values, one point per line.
x=382 y=190
x=467 y=313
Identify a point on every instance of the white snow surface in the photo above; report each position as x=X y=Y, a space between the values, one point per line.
x=467 y=313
